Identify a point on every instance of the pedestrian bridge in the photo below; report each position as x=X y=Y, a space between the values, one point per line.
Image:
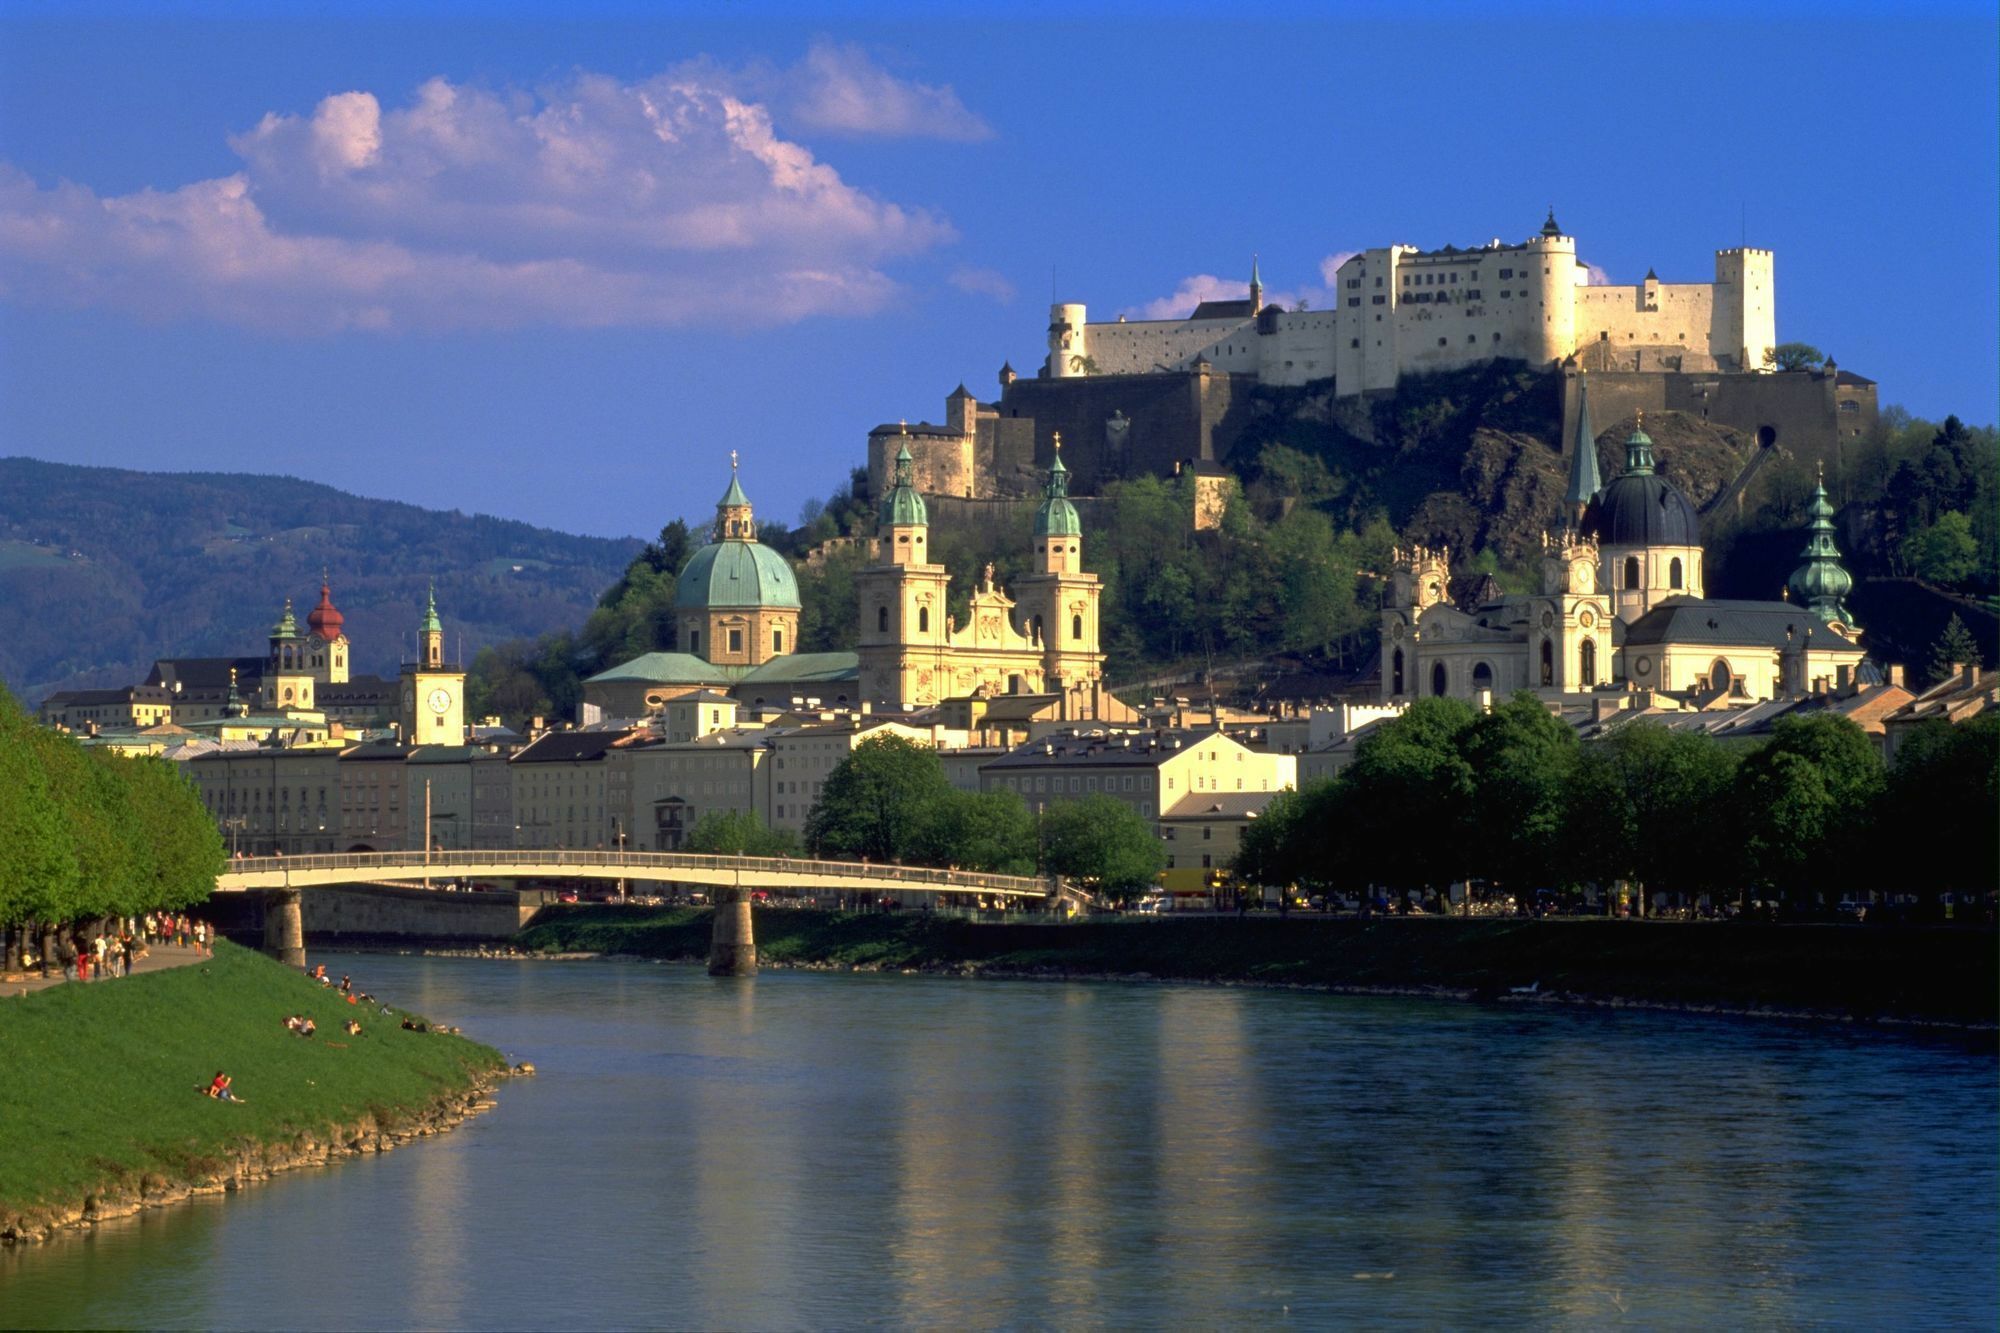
x=793 y=874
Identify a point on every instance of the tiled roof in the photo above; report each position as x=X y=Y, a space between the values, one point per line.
x=1732 y=625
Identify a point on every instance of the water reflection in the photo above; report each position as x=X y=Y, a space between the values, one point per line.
x=810 y=1151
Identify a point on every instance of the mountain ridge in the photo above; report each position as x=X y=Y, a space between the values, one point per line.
x=200 y=563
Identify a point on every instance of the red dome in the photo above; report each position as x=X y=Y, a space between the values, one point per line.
x=325 y=619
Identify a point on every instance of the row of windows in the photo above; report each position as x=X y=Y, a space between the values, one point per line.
x=1077 y=784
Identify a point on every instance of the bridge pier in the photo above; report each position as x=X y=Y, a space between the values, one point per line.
x=732 y=948
x=284 y=927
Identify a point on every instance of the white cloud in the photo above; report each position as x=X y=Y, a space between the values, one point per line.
x=840 y=89
x=596 y=203
x=1597 y=277
x=983 y=282
x=1192 y=291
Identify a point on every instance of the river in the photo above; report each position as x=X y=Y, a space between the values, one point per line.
x=806 y=1150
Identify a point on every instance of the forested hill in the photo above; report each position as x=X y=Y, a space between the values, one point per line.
x=102 y=570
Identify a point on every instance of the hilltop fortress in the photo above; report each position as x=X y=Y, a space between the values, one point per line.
x=1131 y=397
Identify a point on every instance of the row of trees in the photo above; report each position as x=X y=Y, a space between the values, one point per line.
x=87 y=835
x=1444 y=794
x=890 y=801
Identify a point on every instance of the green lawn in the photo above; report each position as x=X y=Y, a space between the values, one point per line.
x=100 y=1081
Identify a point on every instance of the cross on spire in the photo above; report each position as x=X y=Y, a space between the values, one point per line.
x=732 y=460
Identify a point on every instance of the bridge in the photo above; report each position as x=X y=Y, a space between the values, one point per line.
x=731 y=878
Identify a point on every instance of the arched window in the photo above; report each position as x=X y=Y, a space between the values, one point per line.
x=1631 y=571
x=1076 y=627
x=1587 y=663
x=1438 y=680
x=1674 y=573
x=923 y=620
x=1482 y=676
x=1719 y=675
x=1396 y=676
x=882 y=619
x=1036 y=627
x=1548 y=663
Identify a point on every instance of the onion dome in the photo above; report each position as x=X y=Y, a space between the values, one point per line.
x=1821 y=582
x=1057 y=516
x=903 y=507
x=1552 y=227
x=287 y=626
x=431 y=622
x=1641 y=508
x=325 y=619
x=735 y=570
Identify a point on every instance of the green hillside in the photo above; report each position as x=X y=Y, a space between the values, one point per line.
x=102 y=570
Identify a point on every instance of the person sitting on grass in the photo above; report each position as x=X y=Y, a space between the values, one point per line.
x=220 y=1090
x=293 y=1022
x=352 y=1028
x=308 y=1027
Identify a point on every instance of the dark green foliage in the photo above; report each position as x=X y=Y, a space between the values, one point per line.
x=1794 y=356
x=1520 y=756
x=1650 y=805
x=740 y=833
x=89 y=833
x=987 y=830
x=1807 y=804
x=103 y=569
x=1411 y=774
x=1943 y=552
x=1944 y=792
x=1955 y=648
x=877 y=801
x=1103 y=844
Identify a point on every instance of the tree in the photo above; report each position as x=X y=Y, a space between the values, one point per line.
x=1808 y=799
x=983 y=830
x=1272 y=850
x=1644 y=806
x=1943 y=552
x=877 y=801
x=1519 y=756
x=1794 y=356
x=38 y=869
x=177 y=848
x=1408 y=773
x=1102 y=843
x=1954 y=648
x=1944 y=788
x=739 y=833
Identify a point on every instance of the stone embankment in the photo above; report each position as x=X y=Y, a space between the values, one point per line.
x=251 y=1164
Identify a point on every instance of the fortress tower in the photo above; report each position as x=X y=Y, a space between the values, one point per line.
x=1744 y=327
x=1069 y=340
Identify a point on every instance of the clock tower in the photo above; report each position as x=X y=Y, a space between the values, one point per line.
x=433 y=695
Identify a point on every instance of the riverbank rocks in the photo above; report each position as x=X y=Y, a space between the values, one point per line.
x=251 y=1164
x=525 y=1069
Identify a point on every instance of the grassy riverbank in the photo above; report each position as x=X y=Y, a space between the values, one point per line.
x=99 y=1104
x=1942 y=975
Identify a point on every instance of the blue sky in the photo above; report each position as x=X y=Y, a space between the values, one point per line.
x=554 y=263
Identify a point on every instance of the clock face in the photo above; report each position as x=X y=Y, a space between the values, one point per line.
x=440 y=700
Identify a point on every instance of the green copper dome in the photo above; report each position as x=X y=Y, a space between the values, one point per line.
x=733 y=574
x=431 y=621
x=1057 y=516
x=1821 y=583
x=734 y=495
x=287 y=626
x=903 y=507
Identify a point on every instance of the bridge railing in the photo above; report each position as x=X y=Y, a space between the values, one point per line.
x=636 y=864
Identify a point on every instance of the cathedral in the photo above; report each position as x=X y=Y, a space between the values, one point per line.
x=1621 y=607
x=914 y=654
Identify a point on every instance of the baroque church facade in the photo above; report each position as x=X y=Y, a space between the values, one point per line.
x=1621 y=606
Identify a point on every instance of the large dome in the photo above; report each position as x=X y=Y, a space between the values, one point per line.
x=1640 y=507
x=736 y=574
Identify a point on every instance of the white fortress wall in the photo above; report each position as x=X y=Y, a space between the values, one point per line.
x=1141 y=346
x=1301 y=349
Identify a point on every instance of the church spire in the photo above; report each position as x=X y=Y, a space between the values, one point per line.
x=1821 y=582
x=1256 y=287
x=733 y=518
x=1584 y=479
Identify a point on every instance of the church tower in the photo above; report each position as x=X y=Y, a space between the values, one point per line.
x=1821 y=583
x=736 y=602
x=1584 y=480
x=903 y=596
x=433 y=696
x=1648 y=532
x=326 y=640
x=1256 y=287
x=1419 y=579
x=1569 y=633
x=288 y=681
x=1059 y=602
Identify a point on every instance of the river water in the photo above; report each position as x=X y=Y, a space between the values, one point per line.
x=806 y=1150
